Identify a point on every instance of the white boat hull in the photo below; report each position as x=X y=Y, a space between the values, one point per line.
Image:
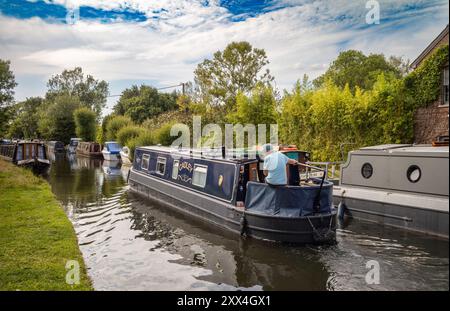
x=111 y=157
x=125 y=158
x=416 y=212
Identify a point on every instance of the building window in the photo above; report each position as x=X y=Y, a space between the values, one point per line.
x=145 y=161
x=445 y=90
x=199 y=177
x=175 y=168
x=161 y=166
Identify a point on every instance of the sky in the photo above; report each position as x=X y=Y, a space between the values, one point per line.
x=160 y=42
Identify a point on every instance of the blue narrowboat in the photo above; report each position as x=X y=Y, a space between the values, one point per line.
x=229 y=191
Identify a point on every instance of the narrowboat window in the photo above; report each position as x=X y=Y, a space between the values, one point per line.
x=254 y=176
x=19 y=152
x=161 y=165
x=199 y=177
x=145 y=161
x=41 y=151
x=176 y=165
x=413 y=173
x=367 y=170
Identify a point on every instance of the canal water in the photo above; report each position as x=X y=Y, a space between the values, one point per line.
x=132 y=244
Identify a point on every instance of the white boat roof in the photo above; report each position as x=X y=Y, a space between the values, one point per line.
x=385 y=147
x=212 y=153
x=406 y=149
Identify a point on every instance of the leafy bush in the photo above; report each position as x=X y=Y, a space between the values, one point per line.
x=115 y=124
x=85 y=123
x=424 y=83
x=323 y=120
x=162 y=135
x=144 y=139
x=128 y=132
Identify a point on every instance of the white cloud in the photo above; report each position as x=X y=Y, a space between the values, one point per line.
x=298 y=39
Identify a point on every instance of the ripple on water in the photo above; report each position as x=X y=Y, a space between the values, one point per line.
x=131 y=244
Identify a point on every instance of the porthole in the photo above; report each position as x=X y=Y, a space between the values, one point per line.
x=413 y=173
x=367 y=170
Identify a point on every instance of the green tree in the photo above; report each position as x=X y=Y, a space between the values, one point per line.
x=128 y=132
x=7 y=85
x=358 y=70
x=140 y=103
x=258 y=108
x=162 y=135
x=102 y=133
x=25 y=118
x=56 y=120
x=235 y=69
x=91 y=93
x=115 y=124
x=85 y=123
x=146 y=138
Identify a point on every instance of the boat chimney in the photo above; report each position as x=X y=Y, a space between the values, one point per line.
x=223 y=152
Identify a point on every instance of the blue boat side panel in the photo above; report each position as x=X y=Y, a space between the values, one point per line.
x=287 y=201
x=220 y=177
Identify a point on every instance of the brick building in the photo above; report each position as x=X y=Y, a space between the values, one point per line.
x=431 y=122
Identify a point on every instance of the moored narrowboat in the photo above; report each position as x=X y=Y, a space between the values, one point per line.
x=230 y=192
x=399 y=185
x=72 y=146
x=89 y=149
x=25 y=153
x=111 y=151
x=54 y=146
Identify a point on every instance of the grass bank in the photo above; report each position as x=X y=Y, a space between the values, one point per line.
x=36 y=237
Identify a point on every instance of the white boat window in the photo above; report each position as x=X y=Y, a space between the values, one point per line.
x=367 y=170
x=176 y=165
x=161 y=165
x=413 y=173
x=145 y=161
x=199 y=177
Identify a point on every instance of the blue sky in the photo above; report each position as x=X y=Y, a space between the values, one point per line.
x=159 y=42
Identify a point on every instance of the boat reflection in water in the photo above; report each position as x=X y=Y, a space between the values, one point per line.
x=111 y=168
x=130 y=244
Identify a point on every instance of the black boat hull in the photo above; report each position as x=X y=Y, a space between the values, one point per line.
x=304 y=230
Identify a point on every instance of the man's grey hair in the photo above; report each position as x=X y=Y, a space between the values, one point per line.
x=267 y=148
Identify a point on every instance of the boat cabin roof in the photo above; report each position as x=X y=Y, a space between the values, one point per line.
x=233 y=155
x=406 y=149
